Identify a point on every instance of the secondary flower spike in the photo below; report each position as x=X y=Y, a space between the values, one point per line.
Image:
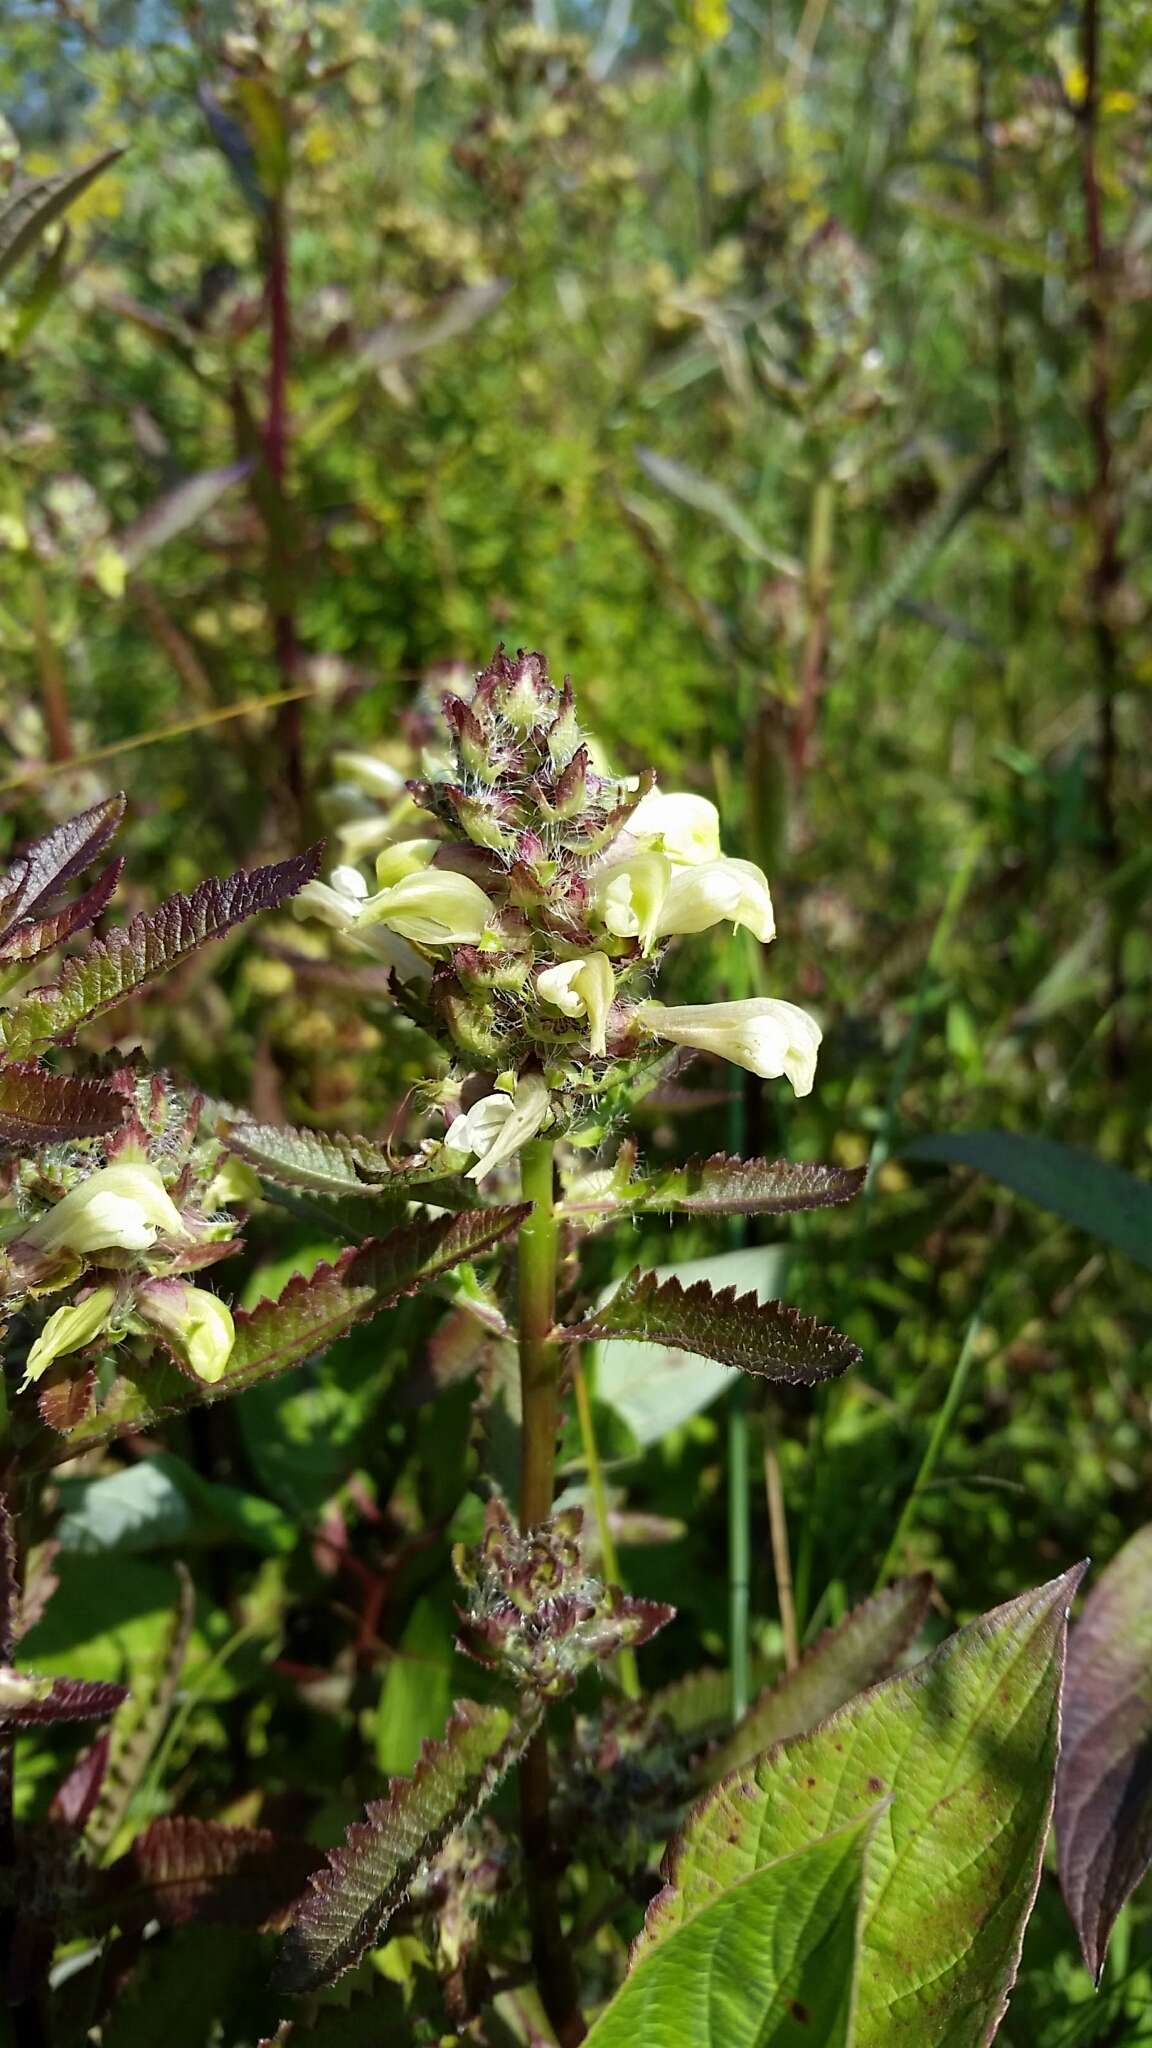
x=525 y=898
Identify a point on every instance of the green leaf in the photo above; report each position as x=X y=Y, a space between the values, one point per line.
x=1110 y=1204
x=39 y=1108
x=964 y=1748
x=350 y=1901
x=723 y=1186
x=177 y=510
x=161 y=1501
x=151 y=945
x=652 y=1388
x=32 y=206
x=770 y=1963
x=325 y=1163
x=421 y=1678
x=1104 y=1783
x=768 y=1339
x=864 y=1648
x=308 y=1316
x=717 y=504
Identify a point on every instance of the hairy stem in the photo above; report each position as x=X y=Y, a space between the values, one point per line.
x=540 y=1422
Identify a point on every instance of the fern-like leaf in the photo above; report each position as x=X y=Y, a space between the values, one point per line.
x=39 y=1108
x=311 y=1313
x=350 y=1901
x=768 y=1338
x=154 y=943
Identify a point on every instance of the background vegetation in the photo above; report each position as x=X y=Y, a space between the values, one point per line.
x=783 y=373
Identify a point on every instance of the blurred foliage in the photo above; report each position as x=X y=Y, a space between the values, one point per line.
x=757 y=362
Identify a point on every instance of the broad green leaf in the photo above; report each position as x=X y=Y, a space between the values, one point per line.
x=350 y=1901
x=308 y=1316
x=1110 y=1204
x=653 y=1388
x=39 y=1108
x=705 y=495
x=420 y=1679
x=767 y=1339
x=864 y=1648
x=770 y=1963
x=32 y=206
x=151 y=945
x=963 y=1747
x=177 y=510
x=1104 y=1782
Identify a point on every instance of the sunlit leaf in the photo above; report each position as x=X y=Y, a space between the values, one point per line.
x=963 y=1748
x=325 y=1162
x=39 y=872
x=768 y=1338
x=1104 y=1783
x=864 y=1648
x=769 y=1963
x=151 y=945
x=32 y=206
x=350 y=1901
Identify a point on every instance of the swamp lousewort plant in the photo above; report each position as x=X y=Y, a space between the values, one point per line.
x=522 y=903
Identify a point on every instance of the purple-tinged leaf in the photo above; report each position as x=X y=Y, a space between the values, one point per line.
x=26 y=1700
x=151 y=945
x=39 y=1108
x=963 y=1747
x=768 y=1338
x=844 y=1661
x=34 y=203
x=30 y=937
x=324 y=1162
x=177 y=510
x=180 y=1870
x=311 y=1313
x=75 y=1798
x=41 y=869
x=1104 y=1781
x=351 y=1900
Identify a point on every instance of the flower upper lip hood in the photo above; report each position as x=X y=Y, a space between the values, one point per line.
x=762 y=1034
x=124 y=1207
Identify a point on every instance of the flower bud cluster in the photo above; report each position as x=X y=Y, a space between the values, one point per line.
x=534 y=1613
x=526 y=918
x=97 y=1236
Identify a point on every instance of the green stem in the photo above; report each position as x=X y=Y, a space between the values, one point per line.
x=539 y=1425
x=739 y=1547
x=627 y=1669
x=945 y=1417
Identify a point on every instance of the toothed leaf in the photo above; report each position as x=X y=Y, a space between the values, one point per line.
x=724 y=1186
x=39 y=1108
x=182 y=1869
x=1104 y=1783
x=350 y=1901
x=963 y=1748
x=767 y=1338
x=30 y=937
x=324 y=1163
x=841 y=1663
x=151 y=945
x=32 y=206
x=27 y=1701
x=311 y=1313
x=42 y=868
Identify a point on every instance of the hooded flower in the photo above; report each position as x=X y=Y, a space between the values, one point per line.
x=767 y=1037
x=435 y=907
x=69 y=1329
x=718 y=892
x=629 y=897
x=685 y=828
x=498 y=1125
x=581 y=988
x=122 y=1207
x=198 y=1325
